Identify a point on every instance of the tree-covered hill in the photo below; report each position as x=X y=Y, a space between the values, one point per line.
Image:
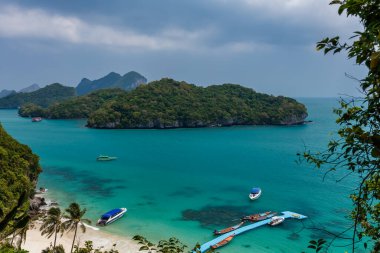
x=171 y=104
x=129 y=81
x=19 y=169
x=73 y=108
x=42 y=97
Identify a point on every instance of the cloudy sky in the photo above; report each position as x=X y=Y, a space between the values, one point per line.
x=268 y=45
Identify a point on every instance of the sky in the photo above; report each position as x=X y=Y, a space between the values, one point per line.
x=267 y=45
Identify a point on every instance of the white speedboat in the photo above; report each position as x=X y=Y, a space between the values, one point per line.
x=255 y=193
x=275 y=220
x=111 y=216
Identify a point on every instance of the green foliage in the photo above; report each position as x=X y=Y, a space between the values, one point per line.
x=6 y=248
x=169 y=104
x=317 y=245
x=358 y=147
x=173 y=245
x=42 y=97
x=89 y=248
x=74 y=108
x=51 y=249
x=18 y=176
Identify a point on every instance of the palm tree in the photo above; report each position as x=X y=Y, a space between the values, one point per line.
x=75 y=218
x=52 y=224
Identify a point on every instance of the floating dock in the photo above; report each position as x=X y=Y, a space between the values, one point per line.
x=286 y=215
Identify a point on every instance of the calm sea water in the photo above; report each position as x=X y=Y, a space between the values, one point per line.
x=187 y=182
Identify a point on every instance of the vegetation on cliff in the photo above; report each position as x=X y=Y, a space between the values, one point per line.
x=41 y=97
x=18 y=176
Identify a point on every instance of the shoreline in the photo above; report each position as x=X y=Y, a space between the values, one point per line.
x=35 y=242
x=103 y=240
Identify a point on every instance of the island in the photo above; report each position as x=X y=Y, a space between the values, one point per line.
x=168 y=103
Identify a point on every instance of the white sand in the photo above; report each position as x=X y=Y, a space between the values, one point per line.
x=35 y=243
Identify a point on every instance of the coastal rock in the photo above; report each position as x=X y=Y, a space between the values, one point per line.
x=36 y=203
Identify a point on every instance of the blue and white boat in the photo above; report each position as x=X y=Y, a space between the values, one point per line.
x=111 y=216
x=255 y=193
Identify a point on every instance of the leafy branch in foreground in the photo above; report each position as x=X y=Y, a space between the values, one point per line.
x=357 y=148
x=173 y=245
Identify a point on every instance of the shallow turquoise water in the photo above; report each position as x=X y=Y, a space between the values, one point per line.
x=161 y=173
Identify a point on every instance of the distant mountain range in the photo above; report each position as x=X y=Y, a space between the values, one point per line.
x=30 y=88
x=127 y=82
x=5 y=93
x=57 y=92
x=42 y=97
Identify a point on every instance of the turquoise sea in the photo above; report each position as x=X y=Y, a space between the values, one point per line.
x=188 y=182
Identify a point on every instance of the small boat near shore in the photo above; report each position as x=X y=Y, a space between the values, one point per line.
x=223 y=242
x=258 y=216
x=255 y=193
x=111 y=216
x=106 y=158
x=275 y=220
x=226 y=230
x=41 y=190
x=36 y=119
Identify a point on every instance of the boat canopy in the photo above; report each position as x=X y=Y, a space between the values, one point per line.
x=255 y=190
x=111 y=213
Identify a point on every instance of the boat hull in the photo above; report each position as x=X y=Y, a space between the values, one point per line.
x=223 y=242
x=276 y=221
x=112 y=219
x=254 y=196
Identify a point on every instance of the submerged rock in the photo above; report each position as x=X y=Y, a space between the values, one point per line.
x=216 y=215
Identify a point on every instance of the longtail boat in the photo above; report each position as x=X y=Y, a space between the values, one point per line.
x=223 y=242
x=258 y=216
x=226 y=230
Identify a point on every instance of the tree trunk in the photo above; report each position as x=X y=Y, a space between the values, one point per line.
x=75 y=234
x=55 y=238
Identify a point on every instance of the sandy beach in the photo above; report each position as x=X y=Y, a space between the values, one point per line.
x=35 y=243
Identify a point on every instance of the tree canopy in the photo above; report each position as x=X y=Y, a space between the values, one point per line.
x=19 y=169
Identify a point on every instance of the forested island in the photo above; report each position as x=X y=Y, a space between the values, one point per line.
x=42 y=97
x=172 y=104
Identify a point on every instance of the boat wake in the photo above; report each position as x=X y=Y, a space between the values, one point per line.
x=88 y=226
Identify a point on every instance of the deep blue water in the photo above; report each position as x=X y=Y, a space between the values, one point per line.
x=206 y=174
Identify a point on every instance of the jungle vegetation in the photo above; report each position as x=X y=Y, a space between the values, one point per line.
x=19 y=170
x=170 y=104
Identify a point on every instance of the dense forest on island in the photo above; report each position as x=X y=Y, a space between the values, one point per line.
x=73 y=108
x=171 y=104
x=42 y=97
x=19 y=170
